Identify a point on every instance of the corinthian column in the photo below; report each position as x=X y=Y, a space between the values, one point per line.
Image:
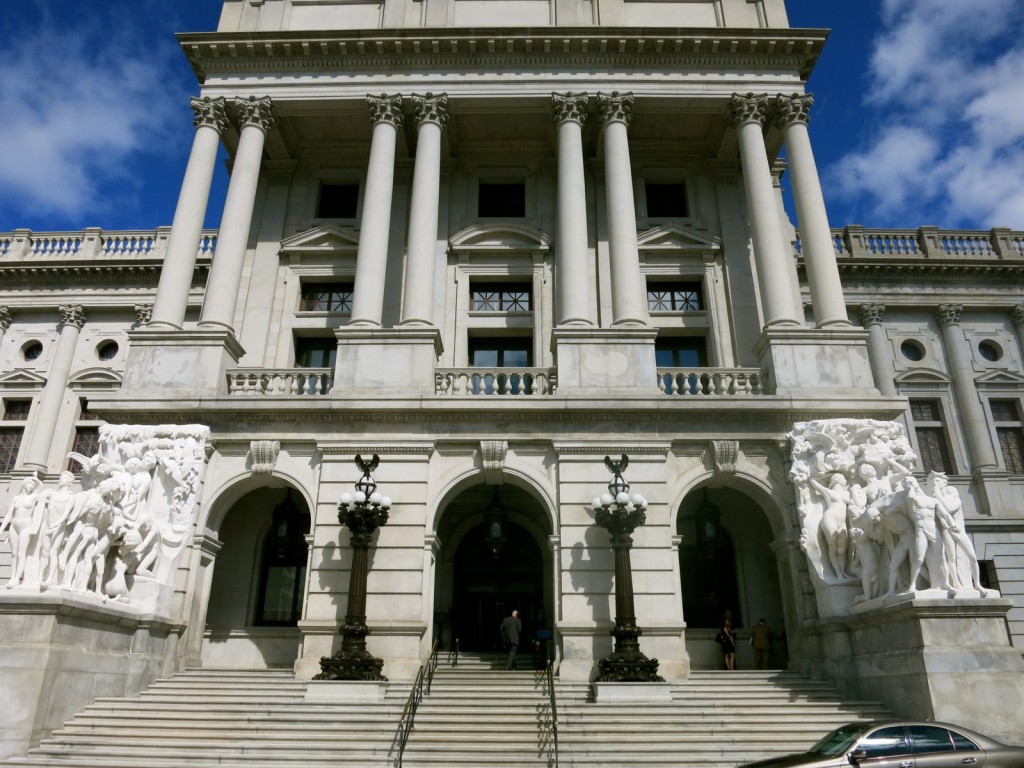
x=255 y=119
x=375 y=224
x=421 y=253
x=186 y=229
x=972 y=414
x=628 y=295
x=50 y=399
x=871 y=318
x=773 y=263
x=792 y=115
x=570 y=113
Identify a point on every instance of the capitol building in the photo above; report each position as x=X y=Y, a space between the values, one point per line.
x=491 y=243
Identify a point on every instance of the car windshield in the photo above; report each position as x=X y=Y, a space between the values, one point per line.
x=839 y=741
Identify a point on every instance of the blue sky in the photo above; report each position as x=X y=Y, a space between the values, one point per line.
x=918 y=119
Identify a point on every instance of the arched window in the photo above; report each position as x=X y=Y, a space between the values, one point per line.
x=283 y=567
x=707 y=566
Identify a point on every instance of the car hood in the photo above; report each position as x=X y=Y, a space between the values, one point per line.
x=798 y=761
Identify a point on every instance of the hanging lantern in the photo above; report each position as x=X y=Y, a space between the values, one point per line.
x=285 y=525
x=496 y=519
x=708 y=526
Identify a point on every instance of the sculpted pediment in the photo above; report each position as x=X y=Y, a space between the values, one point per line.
x=674 y=237
x=327 y=238
x=500 y=236
x=95 y=378
x=1010 y=379
x=19 y=378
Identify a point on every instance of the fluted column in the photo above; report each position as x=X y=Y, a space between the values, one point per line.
x=972 y=413
x=186 y=229
x=1017 y=313
x=570 y=114
x=628 y=293
x=878 y=353
x=50 y=399
x=773 y=263
x=792 y=115
x=255 y=119
x=375 y=223
x=421 y=252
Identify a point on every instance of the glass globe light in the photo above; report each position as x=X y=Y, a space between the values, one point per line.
x=360 y=497
x=375 y=498
x=596 y=503
x=639 y=500
x=345 y=499
x=606 y=499
x=622 y=498
x=385 y=501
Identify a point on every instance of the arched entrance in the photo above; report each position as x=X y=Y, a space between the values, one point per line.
x=727 y=567
x=494 y=558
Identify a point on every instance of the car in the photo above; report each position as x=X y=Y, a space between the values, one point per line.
x=901 y=744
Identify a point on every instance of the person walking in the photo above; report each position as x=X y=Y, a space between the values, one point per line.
x=761 y=641
x=728 y=636
x=511 y=628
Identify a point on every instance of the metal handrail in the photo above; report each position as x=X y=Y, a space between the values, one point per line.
x=424 y=678
x=554 y=703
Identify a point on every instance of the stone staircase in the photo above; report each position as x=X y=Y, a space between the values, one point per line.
x=476 y=715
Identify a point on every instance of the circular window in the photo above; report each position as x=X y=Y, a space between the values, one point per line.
x=990 y=351
x=107 y=350
x=912 y=350
x=32 y=351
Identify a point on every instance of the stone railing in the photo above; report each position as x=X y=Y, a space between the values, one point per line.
x=710 y=382
x=926 y=243
x=95 y=244
x=495 y=381
x=280 y=382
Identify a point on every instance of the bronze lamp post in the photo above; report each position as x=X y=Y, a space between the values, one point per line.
x=363 y=513
x=620 y=514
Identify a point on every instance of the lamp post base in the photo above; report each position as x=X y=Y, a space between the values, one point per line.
x=629 y=667
x=351 y=665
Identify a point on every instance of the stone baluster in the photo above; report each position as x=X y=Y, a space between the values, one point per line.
x=255 y=119
x=375 y=223
x=792 y=115
x=1017 y=313
x=773 y=263
x=183 y=244
x=570 y=113
x=52 y=396
x=878 y=348
x=972 y=413
x=421 y=250
x=629 y=304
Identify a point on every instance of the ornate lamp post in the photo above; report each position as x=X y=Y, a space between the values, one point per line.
x=363 y=512
x=620 y=515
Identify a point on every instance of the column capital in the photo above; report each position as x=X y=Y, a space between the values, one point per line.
x=569 y=107
x=210 y=112
x=431 y=109
x=615 y=108
x=871 y=314
x=5 y=318
x=72 y=314
x=1017 y=313
x=253 y=111
x=949 y=314
x=385 y=109
x=143 y=313
x=749 y=108
x=795 y=108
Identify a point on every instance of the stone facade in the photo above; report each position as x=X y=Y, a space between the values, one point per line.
x=515 y=254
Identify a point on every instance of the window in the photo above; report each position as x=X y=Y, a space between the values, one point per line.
x=338 y=201
x=32 y=351
x=315 y=351
x=512 y=352
x=990 y=351
x=501 y=200
x=11 y=434
x=930 y=739
x=326 y=297
x=283 y=567
x=1010 y=432
x=107 y=351
x=680 y=352
x=912 y=350
x=666 y=201
x=674 y=297
x=931 y=436
x=885 y=742
x=500 y=297
x=87 y=438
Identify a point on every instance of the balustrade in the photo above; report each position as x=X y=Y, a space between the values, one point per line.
x=495 y=381
x=711 y=382
x=95 y=243
x=926 y=243
x=280 y=382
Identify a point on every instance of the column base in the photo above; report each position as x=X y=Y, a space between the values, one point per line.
x=803 y=362
x=189 y=363
x=603 y=361
x=386 y=361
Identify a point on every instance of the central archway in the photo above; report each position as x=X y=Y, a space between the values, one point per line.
x=494 y=558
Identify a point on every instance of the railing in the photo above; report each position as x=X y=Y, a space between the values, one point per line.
x=554 y=704
x=926 y=243
x=499 y=382
x=405 y=725
x=712 y=382
x=96 y=244
x=280 y=382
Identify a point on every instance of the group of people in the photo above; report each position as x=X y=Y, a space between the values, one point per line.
x=760 y=640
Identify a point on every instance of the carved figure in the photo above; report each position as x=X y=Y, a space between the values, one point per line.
x=927 y=544
x=20 y=520
x=961 y=559
x=833 y=521
x=56 y=505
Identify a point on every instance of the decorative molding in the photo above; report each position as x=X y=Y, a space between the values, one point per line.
x=211 y=112
x=871 y=314
x=1017 y=313
x=255 y=111
x=143 y=313
x=569 y=107
x=72 y=314
x=5 y=318
x=795 y=108
x=264 y=456
x=949 y=314
x=385 y=109
x=616 y=107
x=431 y=109
x=492 y=456
x=749 y=108
x=725 y=453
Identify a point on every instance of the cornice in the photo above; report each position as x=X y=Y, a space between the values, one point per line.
x=65 y=274
x=934 y=270
x=449 y=48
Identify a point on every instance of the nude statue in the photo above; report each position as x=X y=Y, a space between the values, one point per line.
x=833 y=520
x=20 y=520
x=955 y=541
x=927 y=545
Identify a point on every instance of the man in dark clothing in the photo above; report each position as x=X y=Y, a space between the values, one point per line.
x=510 y=629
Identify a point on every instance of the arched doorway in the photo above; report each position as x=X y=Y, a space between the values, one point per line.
x=493 y=559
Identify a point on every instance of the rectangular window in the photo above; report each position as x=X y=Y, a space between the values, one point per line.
x=1010 y=432
x=315 y=351
x=501 y=200
x=17 y=410
x=930 y=430
x=326 y=297
x=666 y=201
x=680 y=352
x=674 y=297
x=10 y=444
x=338 y=201
x=87 y=438
x=500 y=297
x=512 y=352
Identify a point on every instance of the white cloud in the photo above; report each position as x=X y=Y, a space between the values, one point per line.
x=80 y=96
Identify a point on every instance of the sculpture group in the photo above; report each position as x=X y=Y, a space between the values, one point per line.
x=867 y=521
x=120 y=535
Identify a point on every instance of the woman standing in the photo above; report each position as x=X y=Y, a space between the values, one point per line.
x=728 y=643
